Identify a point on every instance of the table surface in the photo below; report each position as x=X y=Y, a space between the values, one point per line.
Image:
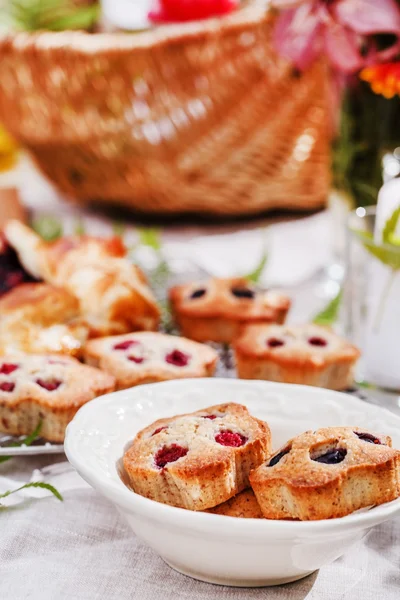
x=82 y=549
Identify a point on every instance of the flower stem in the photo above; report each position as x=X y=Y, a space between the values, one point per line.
x=383 y=300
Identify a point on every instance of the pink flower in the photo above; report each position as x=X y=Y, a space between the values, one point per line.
x=340 y=29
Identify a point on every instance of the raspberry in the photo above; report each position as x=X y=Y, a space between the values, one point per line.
x=49 y=384
x=7 y=386
x=177 y=358
x=125 y=345
x=7 y=368
x=211 y=417
x=228 y=438
x=169 y=454
x=136 y=359
x=191 y=10
x=275 y=343
x=158 y=430
x=317 y=341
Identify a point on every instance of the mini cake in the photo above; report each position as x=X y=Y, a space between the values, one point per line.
x=48 y=389
x=244 y=506
x=309 y=355
x=112 y=292
x=326 y=474
x=217 y=310
x=199 y=460
x=147 y=357
x=38 y=318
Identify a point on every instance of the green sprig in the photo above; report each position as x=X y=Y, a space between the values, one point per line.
x=49 y=228
x=330 y=314
x=27 y=441
x=51 y=15
x=35 y=484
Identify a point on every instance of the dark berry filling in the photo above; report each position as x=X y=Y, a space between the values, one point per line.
x=136 y=359
x=243 y=293
x=125 y=345
x=368 y=437
x=333 y=457
x=158 y=430
x=317 y=341
x=12 y=272
x=278 y=457
x=275 y=343
x=49 y=384
x=229 y=438
x=7 y=368
x=198 y=294
x=7 y=386
x=177 y=358
x=169 y=454
x=210 y=417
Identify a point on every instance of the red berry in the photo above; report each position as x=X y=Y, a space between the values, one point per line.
x=125 y=345
x=275 y=343
x=49 y=384
x=191 y=10
x=177 y=358
x=7 y=368
x=158 y=430
x=228 y=438
x=136 y=359
x=7 y=386
x=317 y=341
x=169 y=454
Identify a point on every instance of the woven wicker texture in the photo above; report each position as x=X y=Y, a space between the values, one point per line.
x=200 y=118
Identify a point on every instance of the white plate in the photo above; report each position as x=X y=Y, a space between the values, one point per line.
x=241 y=552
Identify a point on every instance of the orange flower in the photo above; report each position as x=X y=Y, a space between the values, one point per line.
x=384 y=79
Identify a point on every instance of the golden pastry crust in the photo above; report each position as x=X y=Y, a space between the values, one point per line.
x=49 y=389
x=218 y=309
x=38 y=318
x=327 y=474
x=242 y=506
x=148 y=357
x=113 y=295
x=308 y=355
x=199 y=460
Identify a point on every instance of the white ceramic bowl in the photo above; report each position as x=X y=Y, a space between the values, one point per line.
x=213 y=548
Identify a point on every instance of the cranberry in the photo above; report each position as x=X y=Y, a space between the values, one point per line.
x=368 y=437
x=7 y=368
x=228 y=438
x=278 y=457
x=333 y=457
x=7 y=386
x=158 y=430
x=49 y=384
x=125 y=345
x=211 y=417
x=177 y=358
x=136 y=359
x=198 y=294
x=317 y=341
x=275 y=343
x=243 y=293
x=169 y=454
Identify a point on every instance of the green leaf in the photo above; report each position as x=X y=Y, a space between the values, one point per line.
x=330 y=314
x=49 y=228
x=150 y=237
x=53 y=15
x=27 y=441
x=255 y=275
x=387 y=256
x=79 y=228
x=390 y=226
x=35 y=484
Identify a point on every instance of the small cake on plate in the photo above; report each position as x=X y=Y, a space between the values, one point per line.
x=198 y=460
x=47 y=389
x=309 y=355
x=243 y=506
x=112 y=292
x=147 y=357
x=218 y=309
x=327 y=474
x=38 y=318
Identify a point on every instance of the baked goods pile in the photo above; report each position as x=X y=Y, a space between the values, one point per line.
x=82 y=297
x=219 y=460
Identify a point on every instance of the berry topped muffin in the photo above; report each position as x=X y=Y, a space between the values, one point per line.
x=328 y=473
x=218 y=309
x=48 y=389
x=198 y=460
x=147 y=357
x=307 y=354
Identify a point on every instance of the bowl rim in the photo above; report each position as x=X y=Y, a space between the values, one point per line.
x=204 y=522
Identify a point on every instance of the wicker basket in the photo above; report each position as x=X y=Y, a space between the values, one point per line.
x=202 y=117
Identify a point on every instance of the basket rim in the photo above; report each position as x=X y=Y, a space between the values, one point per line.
x=94 y=43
